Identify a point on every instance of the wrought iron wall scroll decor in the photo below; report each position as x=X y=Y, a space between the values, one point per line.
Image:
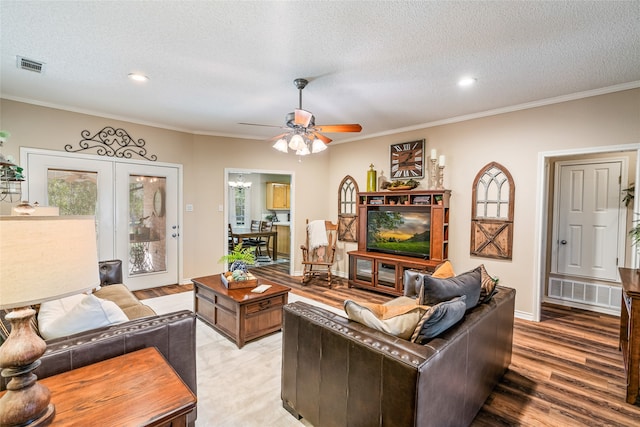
x=113 y=143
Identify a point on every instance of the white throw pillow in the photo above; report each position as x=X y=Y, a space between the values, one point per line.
x=77 y=313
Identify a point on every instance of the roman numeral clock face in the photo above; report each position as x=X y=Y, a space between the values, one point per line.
x=407 y=160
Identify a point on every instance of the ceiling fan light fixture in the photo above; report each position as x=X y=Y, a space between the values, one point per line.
x=303 y=151
x=281 y=145
x=297 y=143
x=318 y=146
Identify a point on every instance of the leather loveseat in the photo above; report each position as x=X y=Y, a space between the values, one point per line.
x=337 y=372
x=172 y=334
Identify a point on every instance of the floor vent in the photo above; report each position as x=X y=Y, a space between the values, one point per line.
x=30 y=65
x=607 y=296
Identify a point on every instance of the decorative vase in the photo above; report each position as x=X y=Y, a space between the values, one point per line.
x=371 y=178
x=238 y=265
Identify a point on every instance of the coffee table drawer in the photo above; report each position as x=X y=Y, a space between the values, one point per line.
x=267 y=304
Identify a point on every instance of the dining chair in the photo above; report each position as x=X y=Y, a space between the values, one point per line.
x=266 y=240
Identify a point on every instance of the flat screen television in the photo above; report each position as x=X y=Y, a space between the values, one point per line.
x=401 y=230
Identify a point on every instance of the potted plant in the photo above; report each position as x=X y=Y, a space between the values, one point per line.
x=3 y=136
x=239 y=258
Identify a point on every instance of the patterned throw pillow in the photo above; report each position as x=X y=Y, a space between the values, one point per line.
x=401 y=326
x=438 y=319
x=436 y=290
x=487 y=286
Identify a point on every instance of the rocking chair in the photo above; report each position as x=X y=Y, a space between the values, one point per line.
x=318 y=254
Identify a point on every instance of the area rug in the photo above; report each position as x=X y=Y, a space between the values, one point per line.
x=236 y=387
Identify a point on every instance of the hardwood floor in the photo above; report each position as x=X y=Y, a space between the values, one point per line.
x=565 y=371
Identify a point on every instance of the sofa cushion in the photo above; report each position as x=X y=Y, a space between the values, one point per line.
x=437 y=290
x=126 y=300
x=399 y=325
x=438 y=319
x=444 y=270
x=487 y=285
x=78 y=313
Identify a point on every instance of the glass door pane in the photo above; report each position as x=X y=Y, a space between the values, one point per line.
x=73 y=192
x=147 y=224
x=77 y=185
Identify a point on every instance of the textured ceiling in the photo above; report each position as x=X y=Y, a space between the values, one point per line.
x=385 y=65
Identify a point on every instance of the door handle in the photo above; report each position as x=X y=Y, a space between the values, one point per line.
x=563 y=242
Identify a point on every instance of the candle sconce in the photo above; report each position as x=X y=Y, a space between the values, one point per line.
x=436 y=172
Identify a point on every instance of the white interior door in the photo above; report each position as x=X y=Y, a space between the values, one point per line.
x=147 y=228
x=588 y=215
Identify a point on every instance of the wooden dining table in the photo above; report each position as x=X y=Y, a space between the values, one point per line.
x=247 y=233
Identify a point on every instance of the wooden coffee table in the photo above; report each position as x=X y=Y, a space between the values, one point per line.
x=239 y=314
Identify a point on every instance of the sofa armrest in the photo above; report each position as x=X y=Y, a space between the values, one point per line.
x=173 y=334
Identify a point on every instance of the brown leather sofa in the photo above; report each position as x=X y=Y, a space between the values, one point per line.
x=337 y=372
x=173 y=334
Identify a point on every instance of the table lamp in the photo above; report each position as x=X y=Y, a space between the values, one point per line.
x=41 y=259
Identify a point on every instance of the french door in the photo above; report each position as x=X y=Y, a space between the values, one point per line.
x=135 y=205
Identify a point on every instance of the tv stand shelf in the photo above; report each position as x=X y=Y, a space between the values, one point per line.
x=383 y=272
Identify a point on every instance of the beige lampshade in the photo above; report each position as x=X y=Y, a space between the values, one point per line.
x=46 y=258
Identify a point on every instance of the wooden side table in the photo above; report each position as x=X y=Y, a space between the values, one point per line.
x=135 y=389
x=630 y=330
x=239 y=314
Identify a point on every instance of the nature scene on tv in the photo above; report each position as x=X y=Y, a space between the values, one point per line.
x=398 y=232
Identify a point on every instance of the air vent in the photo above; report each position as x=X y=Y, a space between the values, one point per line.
x=30 y=65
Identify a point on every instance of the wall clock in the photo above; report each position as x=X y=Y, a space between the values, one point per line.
x=407 y=160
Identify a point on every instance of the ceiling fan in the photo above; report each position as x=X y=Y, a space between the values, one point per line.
x=303 y=135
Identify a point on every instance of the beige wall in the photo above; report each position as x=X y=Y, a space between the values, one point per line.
x=204 y=159
x=512 y=139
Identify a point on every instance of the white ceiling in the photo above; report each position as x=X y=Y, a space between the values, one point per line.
x=385 y=65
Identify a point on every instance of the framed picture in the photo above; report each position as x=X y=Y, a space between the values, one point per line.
x=407 y=160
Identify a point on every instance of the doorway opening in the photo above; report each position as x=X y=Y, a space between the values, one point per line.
x=265 y=196
x=578 y=251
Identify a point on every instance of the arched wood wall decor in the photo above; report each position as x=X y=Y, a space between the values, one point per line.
x=112 y=143
x=348 y=210
x=493 y=198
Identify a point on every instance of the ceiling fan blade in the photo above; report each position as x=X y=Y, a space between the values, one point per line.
x=321 y=137
x=302 y=118
x=275 y=138
x=257 y=124
x=339 y=128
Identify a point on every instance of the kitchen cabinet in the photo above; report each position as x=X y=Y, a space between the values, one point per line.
x=278 y=196
x=284 y=239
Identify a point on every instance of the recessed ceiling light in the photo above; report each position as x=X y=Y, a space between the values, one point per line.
x=138 y=77
x=467 y=81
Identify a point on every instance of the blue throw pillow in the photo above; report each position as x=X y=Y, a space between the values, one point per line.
x=435 y=290
x=438 y=319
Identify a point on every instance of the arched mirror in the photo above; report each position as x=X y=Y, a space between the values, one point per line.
x=348 y=210
x=493 y=196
